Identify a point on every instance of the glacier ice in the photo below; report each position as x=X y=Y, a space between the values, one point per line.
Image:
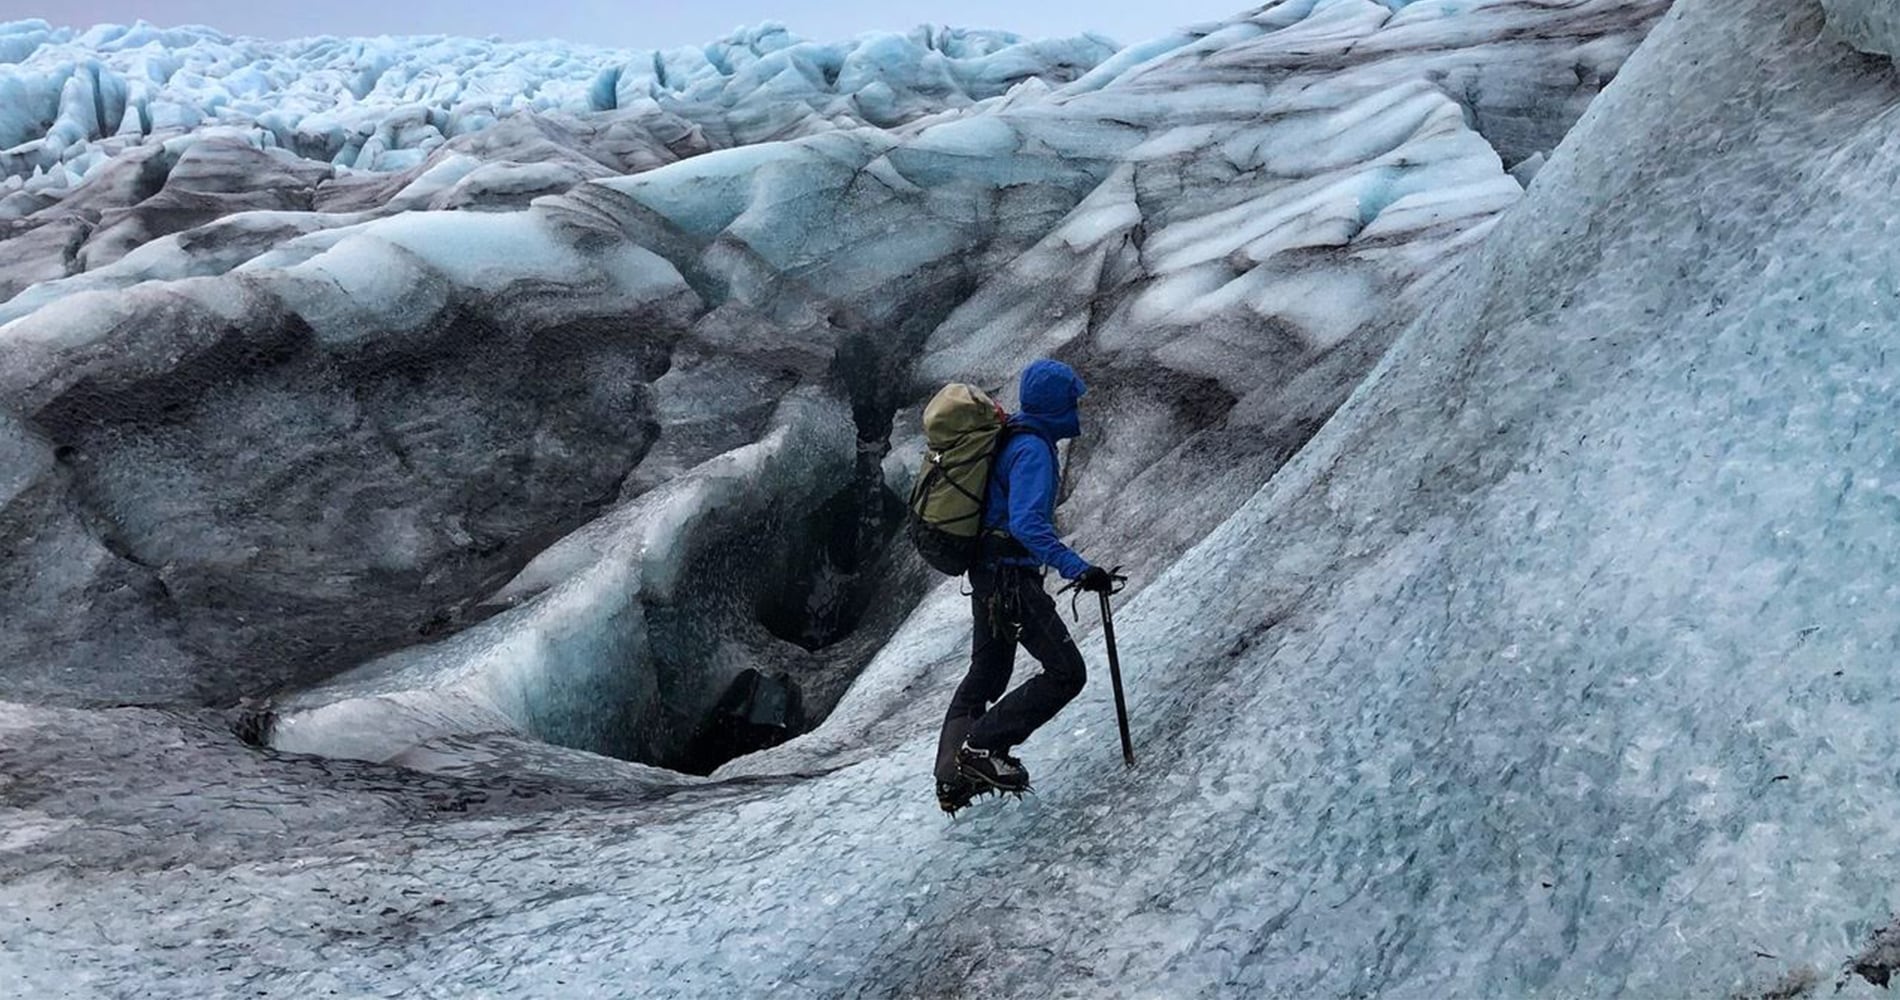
x=856 y=250
x=1869 y=25
x=115 y=136
x=631 y=588
x=382 y=104
x=1552 y=663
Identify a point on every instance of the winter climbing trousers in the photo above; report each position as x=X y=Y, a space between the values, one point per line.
x=1011 y=608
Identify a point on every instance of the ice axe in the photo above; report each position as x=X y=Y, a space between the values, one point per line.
x=1114 y=661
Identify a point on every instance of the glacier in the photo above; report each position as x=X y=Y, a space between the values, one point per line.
x=116 y=135
x=682 y=304
x=1486 y=405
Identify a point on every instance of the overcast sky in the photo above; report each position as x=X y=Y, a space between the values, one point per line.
x=633 y=23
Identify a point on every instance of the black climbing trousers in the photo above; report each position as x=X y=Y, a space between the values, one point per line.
x=1011 y=608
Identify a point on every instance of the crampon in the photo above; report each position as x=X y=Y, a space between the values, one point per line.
x=955 y=796
x=981 y=773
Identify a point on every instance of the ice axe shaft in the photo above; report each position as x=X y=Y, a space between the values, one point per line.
x=1115 y=678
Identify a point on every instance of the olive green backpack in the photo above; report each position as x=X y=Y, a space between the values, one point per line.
x=963 y=428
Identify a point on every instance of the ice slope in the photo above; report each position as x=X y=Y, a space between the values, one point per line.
x=1555 y=665
x=1868 y=25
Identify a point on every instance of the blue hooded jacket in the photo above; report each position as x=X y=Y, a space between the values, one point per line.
x=1022 y=491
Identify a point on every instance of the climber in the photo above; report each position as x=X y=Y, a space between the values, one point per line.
x=1009 y=604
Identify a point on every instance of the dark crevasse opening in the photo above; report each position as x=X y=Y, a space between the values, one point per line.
x=832 y=592
x=757 y=712
x=820 y=598
x=828 y=588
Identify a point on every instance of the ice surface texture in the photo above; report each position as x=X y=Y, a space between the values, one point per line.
x=1869 y=25
x=1558 y=663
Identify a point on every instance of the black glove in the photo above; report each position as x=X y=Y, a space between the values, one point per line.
x=1097 y=580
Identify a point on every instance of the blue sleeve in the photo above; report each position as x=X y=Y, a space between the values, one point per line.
x=1032 y=496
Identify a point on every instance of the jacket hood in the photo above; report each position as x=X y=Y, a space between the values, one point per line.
x=1049 y=393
